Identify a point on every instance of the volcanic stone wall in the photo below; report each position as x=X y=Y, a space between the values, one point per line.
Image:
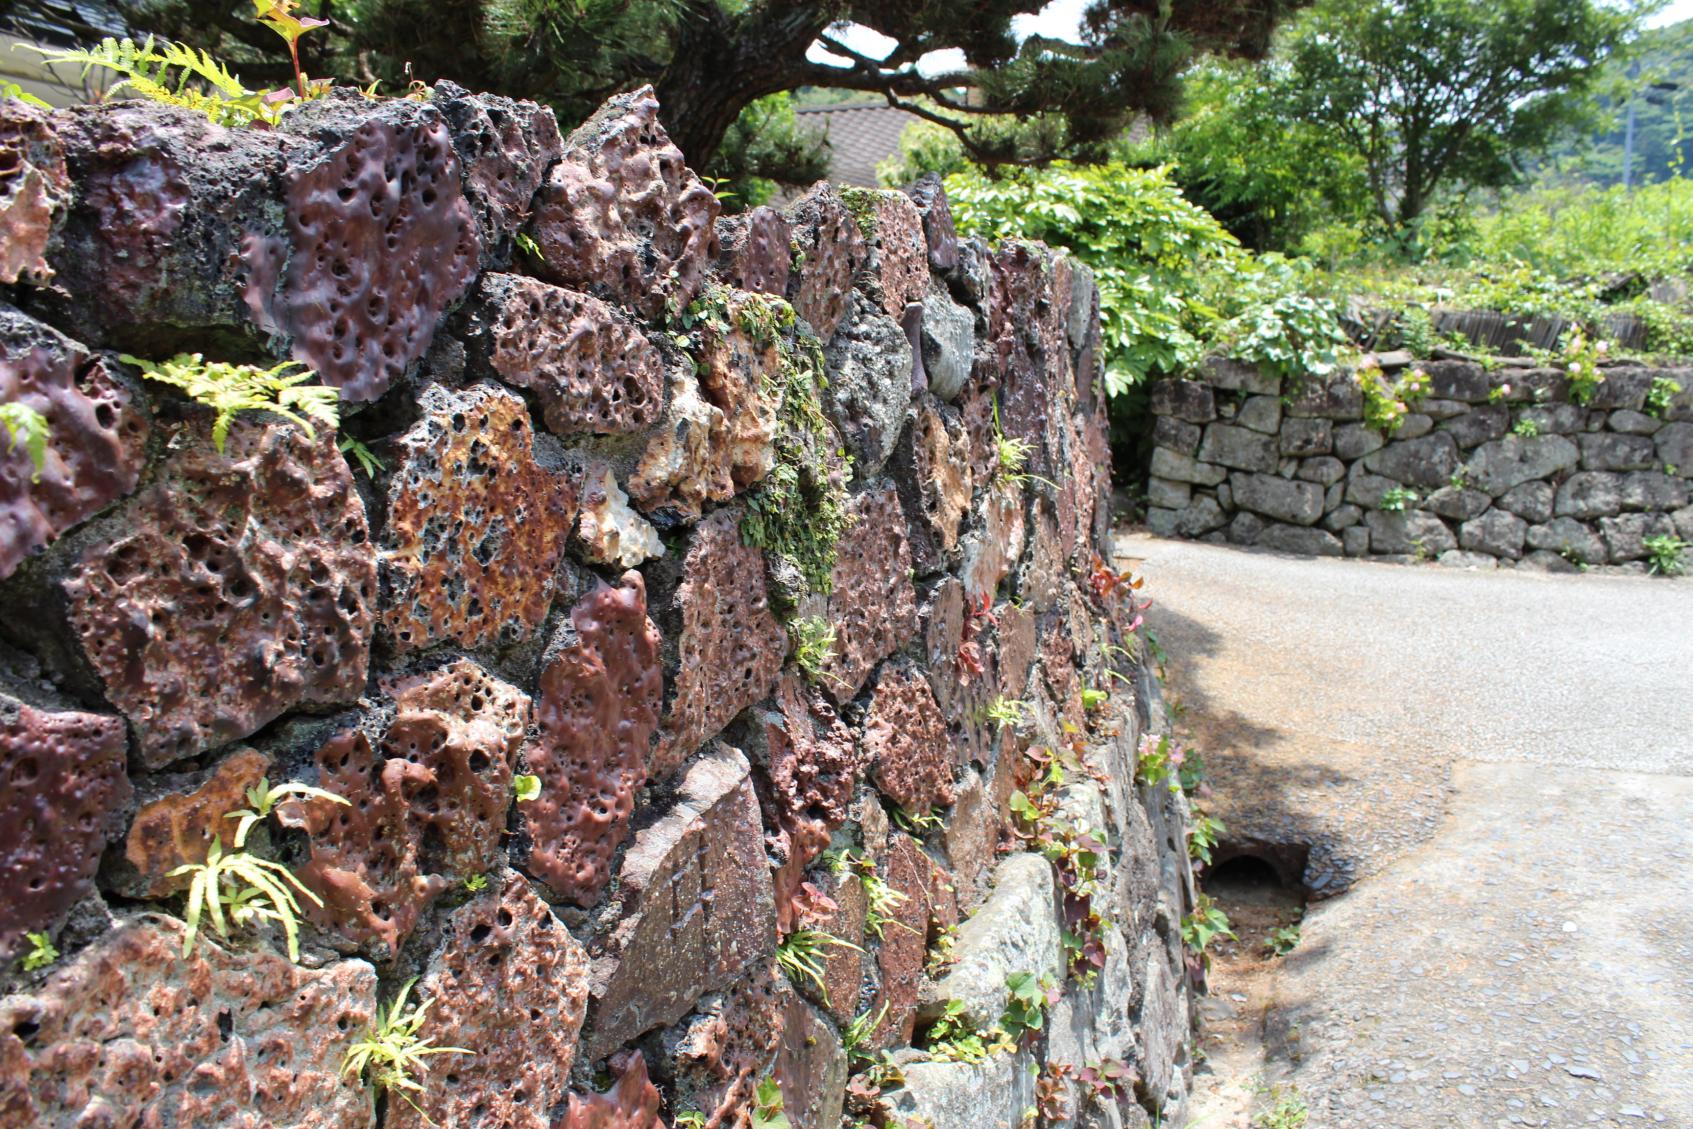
x=1491 y=469
x=769 y=545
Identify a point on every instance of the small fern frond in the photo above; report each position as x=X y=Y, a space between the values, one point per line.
x=165 y=72
x=27 y=428
x=228 y=389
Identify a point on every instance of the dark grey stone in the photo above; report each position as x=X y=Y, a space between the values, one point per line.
x=1337 y=397
x=1625 y=534
x=1478 y=425
x=1199 y=516
x=1307 y=437
x=1300 y=539
x=1168 y=493
x=1633 y=423
x=1622 y=388
x=1353 y=441
x=1334 y=496
x=1437 y=409
x=1651 y=490
x=1414 y=425
x=1496 y=533
x=1300 y=503
x=1261 y=413
x=1245 y=528
x=1161 y=520
x=1343 y=517
x=1225 y=496
x=1589 y=494
x=1458 y=380
x=1532 y=501
x=1323 y=469
x=1683 y=519
x=1181 y=437
x=1545 y=560
x=1241 y=376
x=1606 y=451
x=1497 y=466
x=1356 y=540
x=949 y=344
x=1366 y=490
x=1459 y=558
x=1427 y=462
x=1183 y=468
x=1568 y=538
x=1675 y=447
x=1555 y=419
x=1416 y=532
x=1184 y=399
x=1288 y=468
x=1239 y=448
x=1457 y=503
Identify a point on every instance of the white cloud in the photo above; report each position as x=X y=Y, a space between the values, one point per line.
x=1060 y=19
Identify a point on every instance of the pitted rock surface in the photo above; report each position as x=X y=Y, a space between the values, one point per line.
x=730 y=648
x=381 y=242
x=426 y=808
x=621 y=215
x=33 y=190
x=739 y=369
x=897 y=272
x=693 y=907
x=476 y=527
x=904 y=944
x=830 y=252
x=62 y=796
x=929 y=194
x=722 y=1054
x=906 y=740
x=96 y=434
x=608 y=531
x=130 y=1032
x=757 y=251
x=809 y=769
x=812 y=1066
x=590 y=367
x=631 y=1104
x=256 y=562
x=509 y=983
x=990 y=551
x=597 y=711
x=932 y=474
x=872 y=606
x=505 y=146
x=176 y=825
x=684 y=466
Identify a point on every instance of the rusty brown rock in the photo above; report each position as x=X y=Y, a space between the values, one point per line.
x=588 y=365
x=505 y=146
x=622 y=215
x=873 y=606
x=905 y=737
x=175 y=826
x=929 y=195
x=62 y=796
x=904 y=945
x=757 y=251
x=597 y=711
x=1027 y=349
x=811 y=1065
x=729 y=648
x=34 y=189
x=808 y=771
x=427 y=808
x=718 y=1057
x=1058 y=665
x=897 y=272
x=380 y=242
x=96 y=435
x=476 y=527
x=693 y=907
x=510 y=984
x=129 y=1032
x=255 y=563
x=992 y=550
x=841 y=917
x=683 y=467
x=608 y=531
x=932 y=471
x=830 y=250
x=739 y=369
x=631 y=1104
x=968 y=839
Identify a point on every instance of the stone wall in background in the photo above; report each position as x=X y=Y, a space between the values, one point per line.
x=758 y=599
x=1490 y=469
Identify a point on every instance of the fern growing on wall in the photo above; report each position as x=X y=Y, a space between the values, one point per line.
x=228 y=389
x=175 y=74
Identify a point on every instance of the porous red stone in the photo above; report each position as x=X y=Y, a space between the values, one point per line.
x=622 y=215
x=968 y=839
x=991 y=551
x=33 y=190
x=808 y=770
x=62 y=796
x=96 y=435
x=683 y=467
x=1026 y=348
x=476 y=527
x=739 y=369
x=729 y=648
x=719 y=1056
x=505 y=146
x=757 y=251
x=509 y=983
x=1058 y=665
x=255 y=564
x=692 y=907
x=932 y=471
x=811 y=1065
x=175 y=825
x=588 y=365
x=631 y=1104
x=897 y=273
x=380 y=242
x=597 y=711
x=872 y=607
x=129 y=1032
x=830 y=252
x=841 y=917
x=906 y=740
x=426 y=808
x=929 y=195
x=903 y=949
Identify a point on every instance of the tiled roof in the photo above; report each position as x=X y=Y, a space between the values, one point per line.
x=860 y=137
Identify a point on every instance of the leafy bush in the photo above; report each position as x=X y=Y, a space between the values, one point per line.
x=1568 y=232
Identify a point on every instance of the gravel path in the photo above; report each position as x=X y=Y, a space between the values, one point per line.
x=1502 y=763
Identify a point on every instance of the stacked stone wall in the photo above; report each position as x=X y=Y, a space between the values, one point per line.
x=1490 y=469
x=756 y=596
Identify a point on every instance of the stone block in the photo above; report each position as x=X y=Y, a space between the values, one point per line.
x=948 y=344
x=1180 y=437
x=869 y=387
x=902 y=944
x=1325 y=470
x=956 y=1095
x=608 y=531
x=1300 y=503
x=1356 y=540
x=1457 y=503
x=1554 y=419
x=1164 y=1029
x=1675 y=447
x=1342 y=517
x=1161 y=522
x=906 y=742
x=1460 y=558
x=1184 y=399
x=897 y=271
x=476 y=525
x=1478 y=425
x=931 y=470
x=1568 y=538
x=510 y=984
x=829 y=251
x=1245 y=528
x=1604 y=451
x=1496 y=533
x=505 y=146
x=1427 y=462
x=1437 y=409
x=262 y=553
x=1016 y=930
x=1623 y=387
x=1336 y=397
x=756 y=251
x=693 y=906
x=1503 y=463
x=1300 y=540
x=1633 y=423
x=632 y=1103
x=1168 y=493
x=1458 y=380
x=176 y=820
x=1199 y=517
x=1415 y=532
x=812 y=1066
x=1625 y=535
x=621 y=215
x=1174 y=465
x=1532 y=501
x=968 y=839
x=872 y=604
x=36 y=191
x=1589 y=494
x=1307 y=437
x=1352 y=441
x=1240 y=376
x=1367 y=490
x=1650 y=490
x=1261 y=413
x=596 y=711
x=929 y=194
x=1414 y=425
x=714 y=1060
